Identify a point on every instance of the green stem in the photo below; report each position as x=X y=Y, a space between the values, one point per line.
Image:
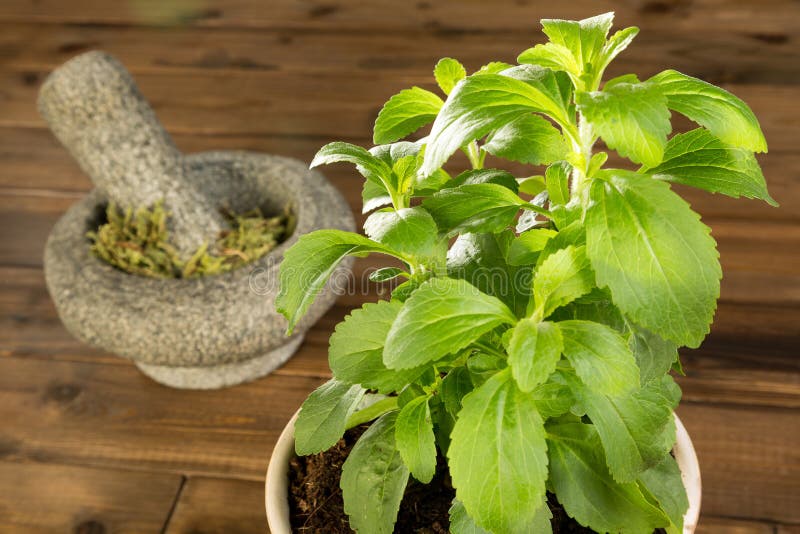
x=489 y=349
x=475 y=155
x=373 y=411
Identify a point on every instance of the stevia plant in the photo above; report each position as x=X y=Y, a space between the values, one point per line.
x=538 y=319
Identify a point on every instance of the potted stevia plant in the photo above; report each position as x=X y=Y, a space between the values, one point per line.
x=519 y=377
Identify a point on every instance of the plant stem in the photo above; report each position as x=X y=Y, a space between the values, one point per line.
x=371 y=412
x=475 y=155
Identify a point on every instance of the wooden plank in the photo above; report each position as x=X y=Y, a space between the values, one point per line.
x=32 y=162
x=716 y=56
x=754 y=364
x=452 y=16
x=219 y=505
x=331 y=104
x=749 y=460
x=715 y=525
x=113 y=416
x=40 y=498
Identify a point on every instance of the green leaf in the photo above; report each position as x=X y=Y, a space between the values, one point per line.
x=486 y=207
x=564 y=276
x=415 y=440
x=309 y=263
x=404 y=113
x=384 y=274
x=552 y=56
x=728 y=117
x=374 y=479
x=664 y=483
x=355 y=355
x=480 y=259
x=493 y=67
x=371 y=167
x=699 y=159
x=448 y=72
x=454 y=387
x=461 y=522
x=654 y=354
x=487 y=102
x=499 y=430
x=532 y=185
x=557 y=180
x=581 y=481
x=636 y=430
x=673 y=286
x=631 y=118
x=323 y=416
x=600 y=356
x=553 y=398
x=534 y=349
x=615 y=44
x=485 y=176
x=374 y=196
x=441 y=317
x=410 y=231
x=529 y=139
x=525 y=249
x=584 y=40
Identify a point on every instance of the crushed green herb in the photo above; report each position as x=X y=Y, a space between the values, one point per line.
x=137 y=242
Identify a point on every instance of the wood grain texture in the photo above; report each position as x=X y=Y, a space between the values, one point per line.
x=772 y=17
x=714 y=525
x=43 y=498
x=112 y=416
x=219 y=506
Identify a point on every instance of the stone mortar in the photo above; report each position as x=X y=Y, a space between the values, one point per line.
x=198 y=333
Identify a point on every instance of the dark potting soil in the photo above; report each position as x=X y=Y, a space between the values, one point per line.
x=316 y=506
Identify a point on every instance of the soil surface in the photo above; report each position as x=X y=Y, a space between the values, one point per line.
x=315 y=499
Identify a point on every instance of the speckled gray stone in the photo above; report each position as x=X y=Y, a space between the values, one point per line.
x=200 y=333
x=93 y=106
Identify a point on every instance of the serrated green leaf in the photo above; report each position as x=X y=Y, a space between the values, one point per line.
x=673 y=287
x=564 y=276
x=534 y=349
x=355 y=354
x=374 y=196
x=404 y=113
x=600 y=356
x=525 y=249
x=454 y=387
x=323 y=416
x=529 y=139
x=374 y=479
x=500 y=430
x=461 y=522
x=664 y=483
x=615 y=45
x=309 y=263
x=552 y=56
x=487 y=102
x=441 y=317
x=482 y=207
x=583 y=485
x=700 y=159
x=448 y=72
x=410 y=231
x=480 y=259
x=415 y=439
x=485 y=176
x=727 y=116
x=553 y=398
x=371 y=167
x=631 y=118
x=557 y=181
x=636 y=430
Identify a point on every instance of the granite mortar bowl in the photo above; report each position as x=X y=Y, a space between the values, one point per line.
x=197 y=333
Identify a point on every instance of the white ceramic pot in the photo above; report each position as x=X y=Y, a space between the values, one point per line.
x=277 y=485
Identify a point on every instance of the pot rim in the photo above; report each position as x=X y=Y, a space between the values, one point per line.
x=276 y=495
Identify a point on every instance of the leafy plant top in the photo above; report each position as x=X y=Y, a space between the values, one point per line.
x=537 y=318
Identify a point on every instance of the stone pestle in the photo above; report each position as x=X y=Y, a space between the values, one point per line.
x=96 y=111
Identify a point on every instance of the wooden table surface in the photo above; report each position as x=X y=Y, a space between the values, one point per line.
x=89 y=445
